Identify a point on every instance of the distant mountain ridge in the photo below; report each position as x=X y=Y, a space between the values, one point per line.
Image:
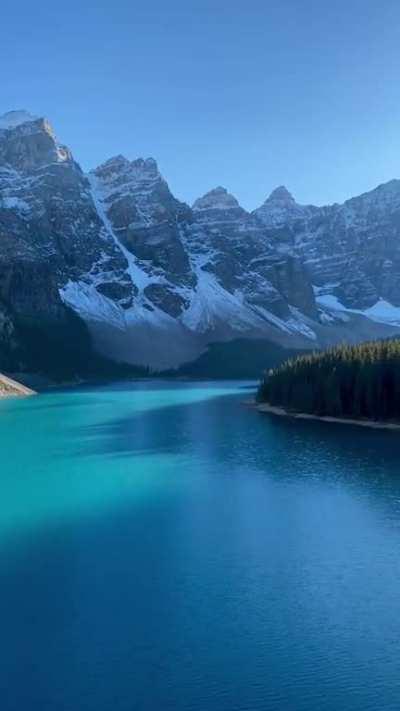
x=154 y=281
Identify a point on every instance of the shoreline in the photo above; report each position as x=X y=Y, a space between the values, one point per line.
x=281 y=412
x=12 y=388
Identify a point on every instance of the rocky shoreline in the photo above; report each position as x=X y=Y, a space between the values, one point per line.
x=12 y=388
x=281 y=412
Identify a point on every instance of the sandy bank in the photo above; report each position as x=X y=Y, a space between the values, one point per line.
x=11 y=388
x=281 y=412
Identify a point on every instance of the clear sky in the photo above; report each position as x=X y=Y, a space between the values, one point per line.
x=242 y=93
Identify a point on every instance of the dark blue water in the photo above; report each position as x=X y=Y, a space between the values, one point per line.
x=163 y=547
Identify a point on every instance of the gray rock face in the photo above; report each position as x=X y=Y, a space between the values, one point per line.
x=31 y=145
x=156 y=280
x=144 y=214
x=236 y=250
x=352 y=251
x=149 y=222
x=280 y=210
x=50 y=231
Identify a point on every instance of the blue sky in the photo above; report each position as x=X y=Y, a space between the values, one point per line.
x=249 y=95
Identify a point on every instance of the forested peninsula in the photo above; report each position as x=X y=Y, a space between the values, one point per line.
x=355 y=382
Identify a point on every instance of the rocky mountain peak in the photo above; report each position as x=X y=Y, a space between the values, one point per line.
x=23 y=123
x=216 y=199
x=282 y=195
x=281 y=209
x=112 y=167
x=118 y=161
x=146 y=169
x=118 y=167
x=12 y=119
x=29 y=142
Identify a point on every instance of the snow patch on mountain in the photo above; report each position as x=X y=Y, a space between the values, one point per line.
x=384 y=312
x=91 y=305
x=212 y=305
x=295 y=324
x=381 y=312
x=139 y=277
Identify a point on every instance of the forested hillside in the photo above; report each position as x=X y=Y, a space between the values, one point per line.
x=361 y=381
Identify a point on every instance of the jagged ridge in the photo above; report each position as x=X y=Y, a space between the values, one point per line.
x=156 y=280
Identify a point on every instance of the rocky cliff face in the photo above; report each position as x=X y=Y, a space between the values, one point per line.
x=350 y=251
x=235 y=249
x=50 y=232
x=155 y=280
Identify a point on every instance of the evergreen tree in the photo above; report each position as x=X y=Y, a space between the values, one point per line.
x=361 y=381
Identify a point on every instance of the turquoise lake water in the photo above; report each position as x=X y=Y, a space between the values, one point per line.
x=163 y=547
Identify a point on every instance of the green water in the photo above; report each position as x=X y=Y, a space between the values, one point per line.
x=164 y=547
x=66 y=456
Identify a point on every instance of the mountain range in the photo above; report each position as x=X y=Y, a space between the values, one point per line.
x=110 y=265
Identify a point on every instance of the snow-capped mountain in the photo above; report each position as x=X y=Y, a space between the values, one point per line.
x=351 y=252
x=156 y=281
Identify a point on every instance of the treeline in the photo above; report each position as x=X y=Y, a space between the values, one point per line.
x=357 y=381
